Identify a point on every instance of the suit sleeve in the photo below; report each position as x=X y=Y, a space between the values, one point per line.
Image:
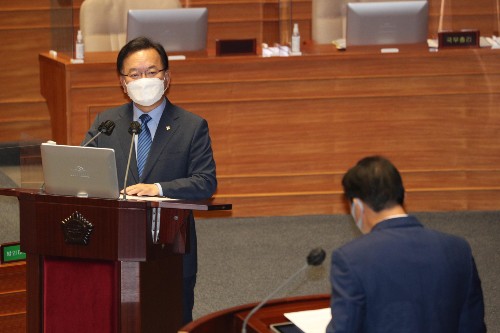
x=472 y=316
x=201 y=181
x=348 y=299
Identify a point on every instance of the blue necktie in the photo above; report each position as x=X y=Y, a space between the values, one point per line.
x=143 y=143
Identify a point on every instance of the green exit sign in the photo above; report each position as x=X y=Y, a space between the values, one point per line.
x=11 y=252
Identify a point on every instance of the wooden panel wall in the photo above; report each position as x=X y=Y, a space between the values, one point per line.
x=465 y=14
x=13 y=297
x=285 y=133
x=25 y=32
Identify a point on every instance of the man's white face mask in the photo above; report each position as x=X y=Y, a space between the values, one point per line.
x=146 y=91
x=359 y=220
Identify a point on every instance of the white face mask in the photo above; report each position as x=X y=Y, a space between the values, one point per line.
x=359 y=221
x=146 y=91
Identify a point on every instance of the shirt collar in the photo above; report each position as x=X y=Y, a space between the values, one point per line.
x=155 y=114
x=395 y=216
x=397 y=221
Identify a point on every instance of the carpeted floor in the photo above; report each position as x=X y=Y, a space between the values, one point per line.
x=242 y=260
x=9 y=207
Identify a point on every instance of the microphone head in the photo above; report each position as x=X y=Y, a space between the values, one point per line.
x=135 y=128
x=316 y=257
x=106 y=127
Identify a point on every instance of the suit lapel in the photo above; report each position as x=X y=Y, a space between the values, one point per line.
x=167 y=127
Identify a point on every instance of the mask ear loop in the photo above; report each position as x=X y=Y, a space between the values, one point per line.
x=168 y=82
x=353 y=209
x=359 y=221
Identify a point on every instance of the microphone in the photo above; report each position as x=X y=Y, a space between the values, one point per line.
x=106 y=127
x=134 y=129
x=314 y=258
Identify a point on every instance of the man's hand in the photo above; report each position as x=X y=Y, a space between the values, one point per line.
x=143 y=189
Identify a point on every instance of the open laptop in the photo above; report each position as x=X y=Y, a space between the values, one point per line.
x=79 y=171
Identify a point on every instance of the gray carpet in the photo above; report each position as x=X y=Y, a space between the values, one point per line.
x=242 y=260
x=9 y=207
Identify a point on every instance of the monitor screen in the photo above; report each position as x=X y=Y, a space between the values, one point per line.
x=387 y=23
x=178 y=30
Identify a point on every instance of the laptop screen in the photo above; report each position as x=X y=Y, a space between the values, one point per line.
x=79 y=171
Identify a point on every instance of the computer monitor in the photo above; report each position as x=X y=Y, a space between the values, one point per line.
x=387 y=23
x=178 y=30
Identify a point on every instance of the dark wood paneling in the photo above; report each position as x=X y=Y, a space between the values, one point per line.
x=13 y=297
x=15 y=323
x=25 y=32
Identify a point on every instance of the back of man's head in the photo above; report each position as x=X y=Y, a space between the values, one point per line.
x=375 y=181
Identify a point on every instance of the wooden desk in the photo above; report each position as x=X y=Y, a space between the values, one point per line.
x=231 y=320
x=285 y=130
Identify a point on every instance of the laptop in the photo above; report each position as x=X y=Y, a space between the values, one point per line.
x=79 y=171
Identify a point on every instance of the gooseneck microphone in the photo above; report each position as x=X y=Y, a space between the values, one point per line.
x=315 y=258
x=134 y=129
x=106 y=127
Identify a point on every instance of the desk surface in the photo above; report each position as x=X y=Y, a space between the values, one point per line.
x=231 y=320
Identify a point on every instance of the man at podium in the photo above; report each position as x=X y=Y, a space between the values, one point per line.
x=400 y=276
x=173 y=155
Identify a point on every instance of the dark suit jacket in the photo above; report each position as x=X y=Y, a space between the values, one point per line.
x=180 y=159
x=402 y=277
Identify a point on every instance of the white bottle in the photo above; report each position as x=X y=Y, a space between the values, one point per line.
x=79 y=48
x=296 y=40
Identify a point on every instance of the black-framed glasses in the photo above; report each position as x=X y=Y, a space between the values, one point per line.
x=150 y=73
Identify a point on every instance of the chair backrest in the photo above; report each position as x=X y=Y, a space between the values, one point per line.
x=104 y=22
x=329 y=19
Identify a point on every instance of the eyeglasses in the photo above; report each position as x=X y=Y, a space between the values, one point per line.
x=150 y=73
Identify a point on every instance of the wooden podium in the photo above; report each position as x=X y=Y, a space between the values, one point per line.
x=103 y=265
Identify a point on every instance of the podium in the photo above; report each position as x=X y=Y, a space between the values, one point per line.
x=104 y=265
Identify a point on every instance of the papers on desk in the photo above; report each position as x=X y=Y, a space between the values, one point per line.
x=311 y=321
x=340 y=44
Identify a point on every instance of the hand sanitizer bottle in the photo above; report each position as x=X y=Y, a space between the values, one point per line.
x=296 y=40
x=79 y=48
